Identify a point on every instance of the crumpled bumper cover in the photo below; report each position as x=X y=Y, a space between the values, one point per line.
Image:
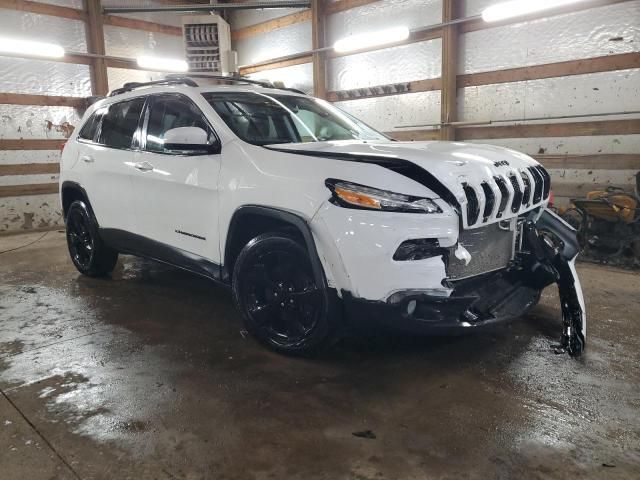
x=474 y=303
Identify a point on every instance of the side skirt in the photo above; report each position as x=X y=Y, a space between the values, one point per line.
x=132 y=244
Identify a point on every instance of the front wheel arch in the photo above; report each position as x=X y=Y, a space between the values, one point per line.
x=250 y=221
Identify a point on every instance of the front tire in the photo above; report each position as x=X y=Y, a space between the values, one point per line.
x=278 y=295
x=87 y=250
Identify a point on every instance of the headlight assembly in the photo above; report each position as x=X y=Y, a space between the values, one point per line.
x=352 y=195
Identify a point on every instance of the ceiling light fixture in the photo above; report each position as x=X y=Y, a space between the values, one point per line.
x=13 y=46
x=162 y=64
x=517 y=8
x=371 y=39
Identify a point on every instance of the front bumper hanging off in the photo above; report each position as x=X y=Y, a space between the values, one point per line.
x=549 y=249
x=554 y=248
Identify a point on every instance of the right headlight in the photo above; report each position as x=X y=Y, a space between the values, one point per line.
x=353 y=195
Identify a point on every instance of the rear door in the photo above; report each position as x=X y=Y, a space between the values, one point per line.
x=175 y=192
x=105 y=160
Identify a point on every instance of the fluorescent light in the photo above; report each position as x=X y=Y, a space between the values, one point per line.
x=160 y=64
x=371 y=39
x=517 y=8
x=14 y=46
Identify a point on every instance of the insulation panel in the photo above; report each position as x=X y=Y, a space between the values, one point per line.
x=584 y=34
x=385 y=113
x=381 y=15
x=416 y=61
x=44 y=77
x=284 y=41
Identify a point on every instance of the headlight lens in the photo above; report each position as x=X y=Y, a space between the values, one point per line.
x=352 y=195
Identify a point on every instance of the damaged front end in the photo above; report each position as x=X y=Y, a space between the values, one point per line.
x=551 y=249
x=539 y=250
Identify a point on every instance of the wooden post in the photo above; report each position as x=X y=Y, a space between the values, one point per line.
x=95 y=44
x=449 y=92
x=318 y=18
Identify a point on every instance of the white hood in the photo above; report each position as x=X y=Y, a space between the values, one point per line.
x=454 y=164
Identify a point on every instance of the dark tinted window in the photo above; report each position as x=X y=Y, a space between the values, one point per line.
x=263 y=119
x=169 y=112
x=120 y=123
x=88 y=131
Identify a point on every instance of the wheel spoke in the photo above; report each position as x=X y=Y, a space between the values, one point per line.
x=308 y=295
x=262 y=313
x=293 y=325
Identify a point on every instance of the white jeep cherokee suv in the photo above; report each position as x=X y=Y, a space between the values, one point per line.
x=314 y=219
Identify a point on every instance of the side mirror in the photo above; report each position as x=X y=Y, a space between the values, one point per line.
x=189 y=140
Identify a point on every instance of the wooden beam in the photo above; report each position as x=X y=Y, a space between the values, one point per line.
x=95 y=44
x=134 y=24
x=569 y=129
x=303 y=58
x=449 y=92
x=31 y=144
x=271 y=25
x=479 y=24
x=342 y=5
x=43 y=100
x=607 y=63
x=24 y=190
x=319 y=59
x=428 y=85
x=29 y=169
x=43 y=9
x=415 y=135
x=613 y=161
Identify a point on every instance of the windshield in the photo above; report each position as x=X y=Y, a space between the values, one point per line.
x=264 y=119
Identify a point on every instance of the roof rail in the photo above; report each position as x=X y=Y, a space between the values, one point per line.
x=188 y=79
x=225 y=78
x=127 y=87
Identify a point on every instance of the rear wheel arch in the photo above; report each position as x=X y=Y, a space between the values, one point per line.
x=252 y=220
x=72 y=191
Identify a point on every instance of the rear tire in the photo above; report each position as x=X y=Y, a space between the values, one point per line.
x=87 y=250
x=275 y=289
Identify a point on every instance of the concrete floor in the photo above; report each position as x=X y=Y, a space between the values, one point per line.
x=148 y=375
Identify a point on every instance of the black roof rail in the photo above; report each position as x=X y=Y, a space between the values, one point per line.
x=225 y=78
x=127 y=87
x=188 y=80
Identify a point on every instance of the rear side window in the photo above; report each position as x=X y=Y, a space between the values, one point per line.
x=169 y=112
x=120 y=123
x=88 y=131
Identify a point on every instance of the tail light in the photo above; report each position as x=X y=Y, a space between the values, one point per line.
x=552 y=198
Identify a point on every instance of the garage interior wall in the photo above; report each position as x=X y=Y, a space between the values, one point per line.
x=581 y=63
x=31 y=136
x=584 y=63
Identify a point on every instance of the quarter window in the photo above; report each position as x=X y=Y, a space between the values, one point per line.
x=120 y=123
x=88 y=131
x=168 y=112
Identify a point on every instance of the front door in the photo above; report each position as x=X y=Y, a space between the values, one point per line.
x=176 y=192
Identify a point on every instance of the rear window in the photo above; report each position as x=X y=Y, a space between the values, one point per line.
x=120 y=123
x=88 y=131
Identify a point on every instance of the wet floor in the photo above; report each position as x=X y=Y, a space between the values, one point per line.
x=149 y=375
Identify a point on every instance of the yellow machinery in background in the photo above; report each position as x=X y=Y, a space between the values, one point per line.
x=608 y=223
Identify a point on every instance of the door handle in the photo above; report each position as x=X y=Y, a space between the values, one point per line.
x=143 y=166
x=87 y=159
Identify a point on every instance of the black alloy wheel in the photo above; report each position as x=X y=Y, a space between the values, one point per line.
x=275 y=288
x=88 y=253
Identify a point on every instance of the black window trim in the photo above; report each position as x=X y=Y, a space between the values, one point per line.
x=145 y=123
x=98 y=131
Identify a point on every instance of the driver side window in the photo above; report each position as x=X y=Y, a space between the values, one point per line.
x=168 y=112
